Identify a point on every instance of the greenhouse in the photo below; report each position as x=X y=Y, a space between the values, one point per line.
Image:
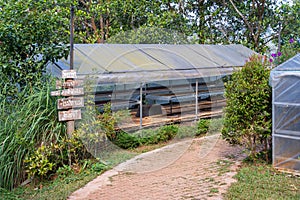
x=285 y=82
x=157 y=82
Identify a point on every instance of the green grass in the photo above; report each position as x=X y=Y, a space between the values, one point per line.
x=264 y=182
x=62 y=187
x=223 y=166
x=25 y=122
x=57 y=189
x=214 y=190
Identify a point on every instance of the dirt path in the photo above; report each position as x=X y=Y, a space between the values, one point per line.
x=195 y=169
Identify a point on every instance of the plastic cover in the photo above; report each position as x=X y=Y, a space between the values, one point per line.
x=285 y=82
x=123 y=63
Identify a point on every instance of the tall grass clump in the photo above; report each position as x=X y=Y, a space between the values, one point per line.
x=27 y=120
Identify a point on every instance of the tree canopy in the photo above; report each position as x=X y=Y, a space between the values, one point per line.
x=32 y=33
x=251 y=23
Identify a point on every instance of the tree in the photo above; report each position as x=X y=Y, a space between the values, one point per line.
x=97 y=21
x=248 y=111
x=32 y=33
x=257 y=23
x=150 y=35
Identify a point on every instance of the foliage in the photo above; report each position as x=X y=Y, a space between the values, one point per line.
x=146 y=137
x=97 y=21
x=248 y=111
x=149 y=35
x=289 y=49
x=166 y=133
x=216 y=125
x=69 y=179
x=64 y=171
x=126 y=141
x=54 y=157
x=209 y=126
x=252 y=23
x=99 y=167
x=263 y=182
x=39 y=162
x=186 y=131
x=32 y=138
x=202 y=126
x=25 y=123
x=32 y=33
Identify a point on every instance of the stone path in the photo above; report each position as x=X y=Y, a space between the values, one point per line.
x=201 y=168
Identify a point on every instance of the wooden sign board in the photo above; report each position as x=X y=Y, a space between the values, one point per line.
x=68 y=84
x=72 y=92
x=68 y=92
x=69 y=115
x=68 y=74
x=72 y=102
x=55 y=93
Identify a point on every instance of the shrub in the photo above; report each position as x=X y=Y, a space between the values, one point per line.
x=166 y=133
x=215 y=125
x=202 y=127
x=126 y=141
x=51 y=158
x=145 y=137
x=39 y=162
x=248 y=111
x=25 y=122
x=99 y=167
x=30 y=130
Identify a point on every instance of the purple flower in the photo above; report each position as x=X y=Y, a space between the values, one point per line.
x=279 y=53
x=274 y=55
x=292 y=40
x=271 y=60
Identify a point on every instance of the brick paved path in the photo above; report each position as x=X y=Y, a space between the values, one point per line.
x=196 y=169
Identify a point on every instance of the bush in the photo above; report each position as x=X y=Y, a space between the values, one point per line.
x=126 y=141
x=216 y=125
x=145 y=137
x=248 y=111
x=99 y=167
x=202 y=127
x=30 y=130
x=166 y=133
x=50 y=158
x=26 y=122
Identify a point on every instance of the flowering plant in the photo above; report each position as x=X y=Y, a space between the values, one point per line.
x=288 y=50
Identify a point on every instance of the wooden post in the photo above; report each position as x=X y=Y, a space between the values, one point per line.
x=71 y=124
x=196 y=100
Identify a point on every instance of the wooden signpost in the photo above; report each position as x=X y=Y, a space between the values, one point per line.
x=69 y=88
x=68 y=74
x=68 y=84
x=69 y=115
x=71 y=102
x=68 y=92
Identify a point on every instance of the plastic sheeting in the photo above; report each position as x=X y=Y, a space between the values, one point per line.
x=285 y=82
x=123 y=63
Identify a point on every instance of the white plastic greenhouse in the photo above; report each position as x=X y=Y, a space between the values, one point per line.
x=171 y=82
x=285 y=82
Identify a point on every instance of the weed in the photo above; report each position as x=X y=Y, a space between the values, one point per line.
x=223 y=166
x=263 y=182
x=214 y=190
x=99 y=167
x=202 y=127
